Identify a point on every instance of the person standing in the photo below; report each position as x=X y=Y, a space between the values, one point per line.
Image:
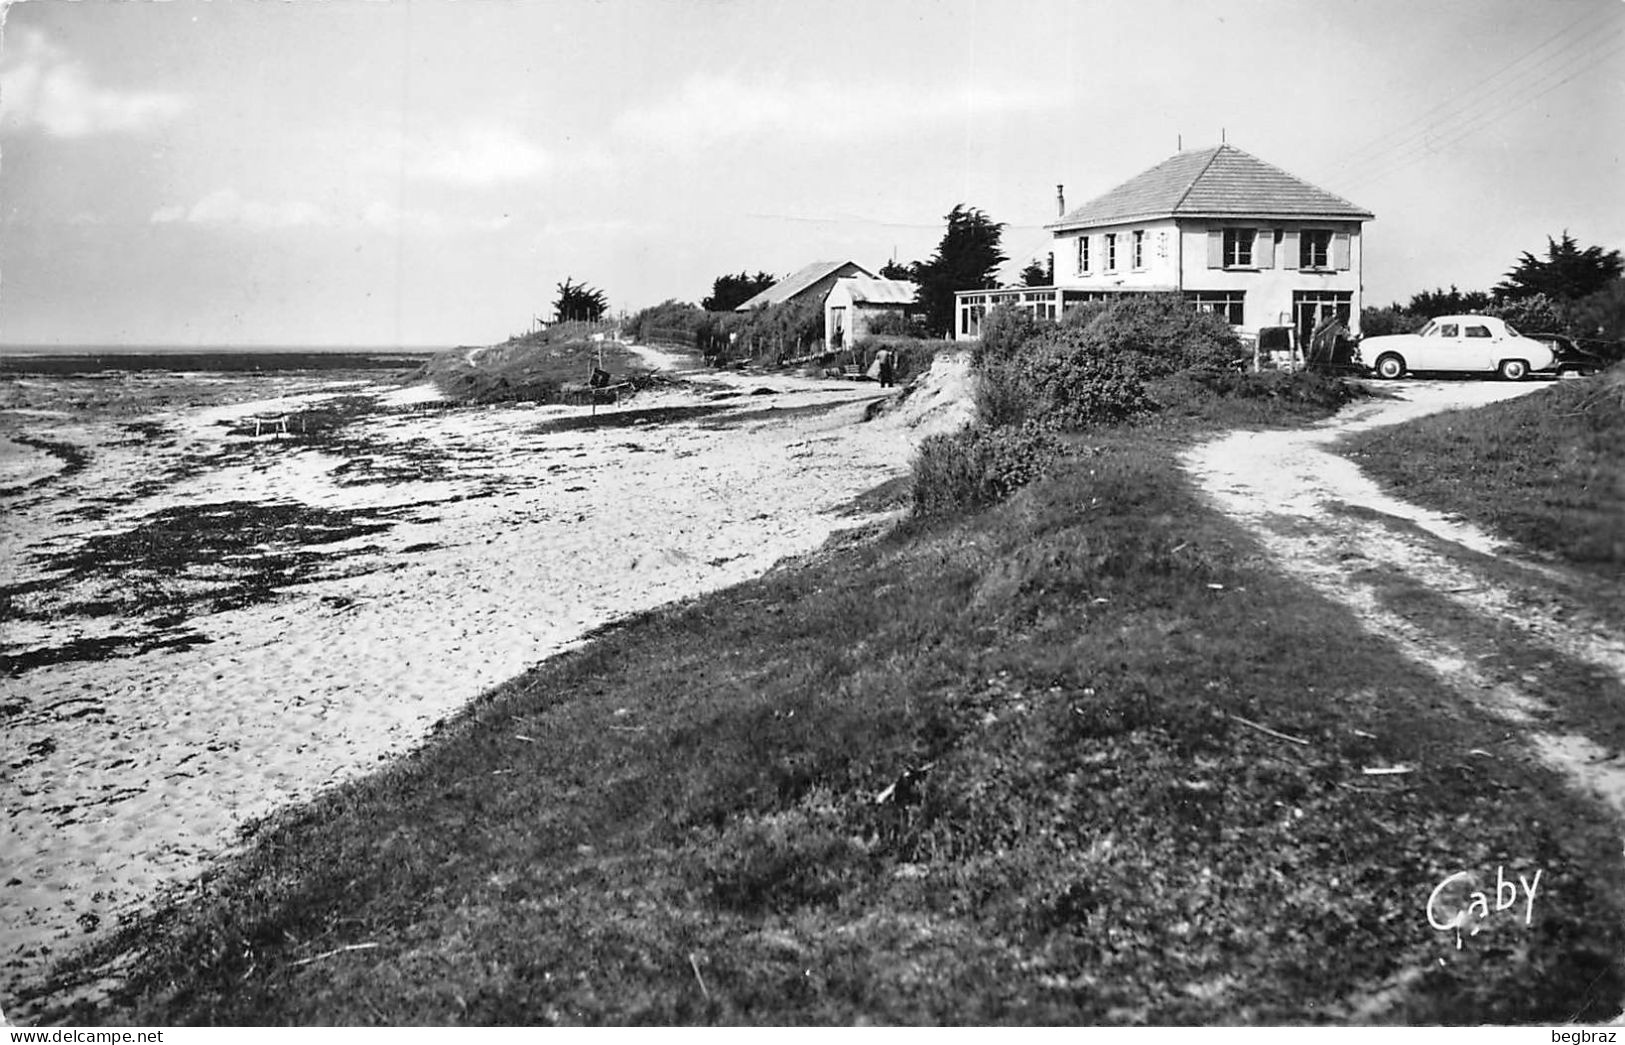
x=886 y=360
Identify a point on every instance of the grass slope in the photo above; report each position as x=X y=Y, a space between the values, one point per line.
x=984 y=770
x=1544 y=469
x=543 y=368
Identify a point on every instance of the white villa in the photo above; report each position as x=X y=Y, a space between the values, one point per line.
x=1229 y=231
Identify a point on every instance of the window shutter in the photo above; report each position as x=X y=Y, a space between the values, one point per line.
x=1289 y=250
x=1340 y=250
x=1264 y=249
x=1215 y=248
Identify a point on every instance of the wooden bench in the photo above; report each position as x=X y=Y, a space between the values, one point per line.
x=261 y=423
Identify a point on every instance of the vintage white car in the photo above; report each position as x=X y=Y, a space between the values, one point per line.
x=1458 y=344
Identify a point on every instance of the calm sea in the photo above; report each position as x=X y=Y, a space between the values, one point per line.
x=69 y=360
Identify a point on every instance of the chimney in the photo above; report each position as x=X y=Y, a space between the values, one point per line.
x=1060 y=201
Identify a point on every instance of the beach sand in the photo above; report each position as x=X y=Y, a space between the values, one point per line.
x=497 y=543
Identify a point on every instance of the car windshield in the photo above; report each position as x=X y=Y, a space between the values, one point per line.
x=1512 y=331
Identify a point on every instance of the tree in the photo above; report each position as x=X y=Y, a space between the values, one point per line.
x=966 y=259
x=892 y=270
x=729 y=292
x=1035 y=275
x=1452 y=302
x=579 y=302
x=1567 y=273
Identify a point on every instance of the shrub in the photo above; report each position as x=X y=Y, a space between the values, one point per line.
x=1075 y=380
x=1270 y=396
x=896 y=324
x=1164 y=331
x=1379 y=322
x=1599 y=315
x=1534 y=314
x=1002 y=394
x=1004 y=331
x=979 y=466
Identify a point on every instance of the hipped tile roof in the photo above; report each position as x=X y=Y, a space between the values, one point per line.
x=1222 y=181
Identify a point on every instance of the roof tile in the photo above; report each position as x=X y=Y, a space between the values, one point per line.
x=1222 y=181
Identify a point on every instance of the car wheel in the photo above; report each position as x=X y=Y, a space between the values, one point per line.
x=1390 y=366
x=1514 y=370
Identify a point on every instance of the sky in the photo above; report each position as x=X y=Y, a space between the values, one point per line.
x=425 y=172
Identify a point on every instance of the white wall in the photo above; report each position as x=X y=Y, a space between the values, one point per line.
x=1161 y=269
x=1269 y=287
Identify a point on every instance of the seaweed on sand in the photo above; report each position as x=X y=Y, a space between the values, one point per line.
x=176 y=564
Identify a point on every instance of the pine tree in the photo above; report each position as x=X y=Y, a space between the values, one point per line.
x=967 y=259
x=1567 y=274
x=579 y=302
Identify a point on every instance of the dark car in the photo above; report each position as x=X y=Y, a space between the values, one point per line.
x=1569 y=357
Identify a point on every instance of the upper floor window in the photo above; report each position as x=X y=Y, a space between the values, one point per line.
x=1138 y=255
x=1238 y=248
x=1315 y=249
x=1083 y=255
x=1111 y=252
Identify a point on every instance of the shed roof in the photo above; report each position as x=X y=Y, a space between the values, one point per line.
x=798 y=281
x=1221 y=181
x=881 y=291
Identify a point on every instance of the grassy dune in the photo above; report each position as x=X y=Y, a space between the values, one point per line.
x=546 y=368
x=1080 y=758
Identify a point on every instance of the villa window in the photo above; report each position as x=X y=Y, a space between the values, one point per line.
x=1083 y=255
x=1224 y=303
x=1111 y=252
x=1238 y=248
x=1315 y=249
x=1139 y=249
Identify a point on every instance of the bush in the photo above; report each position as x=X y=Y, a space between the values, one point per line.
x=1004 y=330
x=1164 y=331
x=1002 y=394
x=1075 y=380
x=1380 y=322
x=1267 y=397
x=979 y=466
x=896 y=324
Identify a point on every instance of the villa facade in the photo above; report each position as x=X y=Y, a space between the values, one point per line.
x=1232 y=233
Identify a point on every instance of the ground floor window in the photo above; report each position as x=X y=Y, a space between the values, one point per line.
x=1226 y=303
x=1311 y=307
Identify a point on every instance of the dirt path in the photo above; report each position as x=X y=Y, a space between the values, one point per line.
x=1519 y=639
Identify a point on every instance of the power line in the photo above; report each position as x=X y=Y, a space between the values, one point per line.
x=1427 y=119
x=1395 y=161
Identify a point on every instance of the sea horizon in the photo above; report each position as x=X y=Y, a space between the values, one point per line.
x=209 y=349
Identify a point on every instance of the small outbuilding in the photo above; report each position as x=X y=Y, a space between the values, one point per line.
x=854 y=303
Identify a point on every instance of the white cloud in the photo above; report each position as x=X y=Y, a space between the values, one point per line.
x=710 y=108
x=41 y=87
x=478 y=156
x=226 y=207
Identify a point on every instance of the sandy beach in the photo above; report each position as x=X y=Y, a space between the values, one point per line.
x=480 y=541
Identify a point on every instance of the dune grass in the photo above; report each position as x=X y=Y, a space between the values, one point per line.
x=549 y=368
x=1079 y=758
x=1543 y=469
